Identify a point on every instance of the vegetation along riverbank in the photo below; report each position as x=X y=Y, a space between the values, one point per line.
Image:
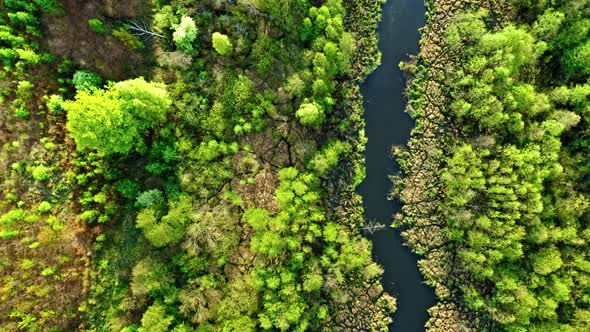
x=495 y=178
x=175 y=165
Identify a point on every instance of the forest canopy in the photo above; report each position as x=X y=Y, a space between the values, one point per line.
x=185 y=166
x=510 y=170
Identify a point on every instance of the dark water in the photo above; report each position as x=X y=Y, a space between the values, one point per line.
x=387 y=125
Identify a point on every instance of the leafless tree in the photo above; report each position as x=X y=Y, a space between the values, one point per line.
x=142 y=29
x=372 y=227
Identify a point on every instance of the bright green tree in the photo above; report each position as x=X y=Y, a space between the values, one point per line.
x=114 y=120
x=155 y=319
x=310 y=114
x=222 y=44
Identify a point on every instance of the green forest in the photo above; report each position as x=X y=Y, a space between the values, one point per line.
x=501 y=105
x=175 y=165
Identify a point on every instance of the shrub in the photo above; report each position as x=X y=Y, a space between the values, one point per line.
x=150 y=198
x=7 y=234
x=84 y=79
x=44 y=207
x=310 y=115
x=96 y=25
x=48 y=271
x=12 y=216
x=55 y=104
x=222 y=44
x=24 y=94
x=128 y=39
x=41 y=173
x=185 y=33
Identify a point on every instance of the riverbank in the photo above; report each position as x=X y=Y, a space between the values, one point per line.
x=422 y=161
x=388 y=125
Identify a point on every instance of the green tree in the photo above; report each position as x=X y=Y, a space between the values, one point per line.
x=96 y=25
x=547 y=260
x=84 y=79
x=150 y=198
x=155 y=319
x=151 y=277
x=310 y=114
x=185 y=34
x=169 y=229
x=222 y=44
x=113 y=121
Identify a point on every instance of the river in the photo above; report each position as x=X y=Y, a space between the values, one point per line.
x=386 y=125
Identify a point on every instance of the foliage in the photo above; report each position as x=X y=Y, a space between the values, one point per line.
x=155 y=319
x=85 y=80
x=44 y=207
x=310 y=115
x=222 y=44
x=511 y=206
x=150 y=198
x=131 y=41
x=185 y=34
x=96 y=25
x=55 y=104
x=41 y=173
x=114 y=120
x=170 y=229
x=175 y=245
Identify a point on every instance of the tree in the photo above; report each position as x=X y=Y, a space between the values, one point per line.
x=150 y=277
x=169 y=229
x=547 y=260
x=150 y=198
x=84 y=79
x=96 y=25
x=185 y=34
x=155 y=319
x=547 y=25
x=113 y=121
x=310 y=114
x=222 y=44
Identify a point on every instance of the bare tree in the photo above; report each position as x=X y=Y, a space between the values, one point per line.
x=372 y=227
x=142 y=29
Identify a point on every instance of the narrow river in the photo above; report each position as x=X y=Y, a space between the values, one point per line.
x=386 y=125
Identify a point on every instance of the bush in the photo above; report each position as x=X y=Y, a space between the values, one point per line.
x=150 y=198
x=96 y=25
x=128 y=39
x=185 y=33
x=44 y=207
x=84 y=79
x=55 y=104
x=310 y=115
x=41 y=173
x=7 y=234
x=221 y=44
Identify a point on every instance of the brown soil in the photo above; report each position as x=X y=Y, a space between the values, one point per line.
x=69 y=35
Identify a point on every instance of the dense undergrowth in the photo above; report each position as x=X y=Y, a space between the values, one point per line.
x=214 y=194
x=495 y=177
